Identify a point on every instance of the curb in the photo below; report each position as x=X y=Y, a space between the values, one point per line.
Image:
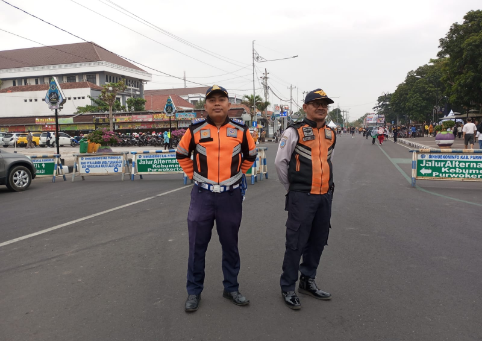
x=413 y=144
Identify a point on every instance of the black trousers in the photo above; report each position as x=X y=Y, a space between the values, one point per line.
x=307 y=233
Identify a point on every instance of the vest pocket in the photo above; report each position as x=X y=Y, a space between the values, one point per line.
x=297 y=163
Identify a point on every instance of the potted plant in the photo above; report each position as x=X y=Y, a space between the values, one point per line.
x=103 y=140
x=444 y=138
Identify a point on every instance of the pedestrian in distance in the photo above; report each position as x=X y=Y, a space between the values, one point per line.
x=479 y=137
x=380 y=135
x=222 y=150
x=460 y=131
x=47 y=140
x=374 y=135
x=304 y=167
x=166 y=140
x=413 y=132
x=431 y=128
x=394 y=132
x=469 y=130
x=29 y=140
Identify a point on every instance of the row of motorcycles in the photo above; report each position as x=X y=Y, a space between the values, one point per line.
x=135 y=141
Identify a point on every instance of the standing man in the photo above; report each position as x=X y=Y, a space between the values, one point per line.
x=166 y=140
x=47 y=140
x=223 y=150
x=469 y=130
x=304 y=167
x=29 y=140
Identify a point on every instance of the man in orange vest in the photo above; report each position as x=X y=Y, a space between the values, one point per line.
x=223 y=150
x=304 y=167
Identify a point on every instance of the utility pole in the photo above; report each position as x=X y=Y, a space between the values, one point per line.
x=253 y=60
x=291 y=100
x=184 y=78
x=265 y=90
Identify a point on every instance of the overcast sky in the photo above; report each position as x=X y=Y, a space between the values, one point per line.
x=354 y=50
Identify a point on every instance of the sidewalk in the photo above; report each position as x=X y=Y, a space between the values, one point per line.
x=429 y=142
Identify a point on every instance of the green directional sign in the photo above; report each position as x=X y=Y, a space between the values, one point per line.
x=158 y=163
x=451 y=166
x=44 y=166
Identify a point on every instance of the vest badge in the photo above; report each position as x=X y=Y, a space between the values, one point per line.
x=308 y=134
x=328 y=134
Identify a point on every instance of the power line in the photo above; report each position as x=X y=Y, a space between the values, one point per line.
x=76 y=36
x=175 y=37
x=145 y=36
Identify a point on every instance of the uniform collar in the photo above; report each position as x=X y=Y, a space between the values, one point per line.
x=210 y=121
x=311 y=123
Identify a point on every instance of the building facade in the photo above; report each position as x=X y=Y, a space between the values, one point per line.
x=25 y=73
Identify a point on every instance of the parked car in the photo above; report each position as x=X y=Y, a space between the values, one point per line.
x=16 y=171
x=64 y=139
x=22 y=139
x=9 y=139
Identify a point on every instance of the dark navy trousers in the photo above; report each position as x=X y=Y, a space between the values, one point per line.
x=205 y=208
x=307 y=233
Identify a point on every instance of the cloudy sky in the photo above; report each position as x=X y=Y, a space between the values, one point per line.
x=354 y=50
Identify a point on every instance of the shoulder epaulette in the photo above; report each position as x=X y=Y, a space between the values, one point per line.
x=237 y=121
x=198 y=120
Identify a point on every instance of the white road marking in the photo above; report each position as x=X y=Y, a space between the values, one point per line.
x=56 y=227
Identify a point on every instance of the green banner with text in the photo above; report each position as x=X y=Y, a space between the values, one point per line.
x=457 y=166
x=158 y=163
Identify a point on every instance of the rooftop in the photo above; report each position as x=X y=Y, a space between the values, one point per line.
x=60 y=54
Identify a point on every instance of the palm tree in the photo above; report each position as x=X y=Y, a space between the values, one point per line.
x=260 y=104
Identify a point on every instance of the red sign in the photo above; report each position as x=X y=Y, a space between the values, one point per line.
x=142 y=118
x=16 y=129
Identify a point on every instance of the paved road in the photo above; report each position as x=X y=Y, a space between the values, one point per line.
x=402 y=263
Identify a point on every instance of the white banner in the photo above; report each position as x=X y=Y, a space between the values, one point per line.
x=106 y=164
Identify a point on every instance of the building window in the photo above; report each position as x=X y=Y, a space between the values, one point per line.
x=14 y=83
x=25 y=100
x=68 y=98
x=110 y=79
x=30 y=100
x=36 y=81
x=107 y=78
x=83 y=97
x=25 y=81
x=91 y=78
x=70 y=79
x=75 y=98
x=36 y=100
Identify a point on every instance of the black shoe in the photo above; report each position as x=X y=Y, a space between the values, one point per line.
x=308 y=286
x=236 y=297
x=291 y=300
x=192 y=303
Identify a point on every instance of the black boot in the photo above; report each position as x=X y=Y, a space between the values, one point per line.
x=308 y=286
x=236 y=297
x=291 y=300
x=192 y=303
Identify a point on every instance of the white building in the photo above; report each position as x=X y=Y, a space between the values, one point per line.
x=81 y=70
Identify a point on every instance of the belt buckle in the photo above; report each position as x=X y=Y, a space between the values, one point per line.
x=216 y=189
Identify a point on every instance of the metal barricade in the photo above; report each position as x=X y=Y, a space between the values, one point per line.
x=259 y=167
x=446 y=164
x=48 y=165
x=156 y=162
x=100 y=164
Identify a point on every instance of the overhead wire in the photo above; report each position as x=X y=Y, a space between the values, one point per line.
x=164 y=31
x=147 y=37
x=78 y=37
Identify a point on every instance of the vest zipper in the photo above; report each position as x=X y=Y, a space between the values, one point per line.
x=219 y=147
x=321 y=166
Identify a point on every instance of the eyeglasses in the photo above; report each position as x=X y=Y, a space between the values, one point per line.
x=319 y=104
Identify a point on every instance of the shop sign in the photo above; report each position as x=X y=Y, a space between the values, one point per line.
x=184 y=124
x=160 y=117
x=48 y=127
x=68 y=127
x=161 y=125
x=123 y=119
x=3 y=129
x=142 y=118
x=185 y=116
x=32 y=128
x=134 y=125
x=66 y=120
x=47 y=120
x=101 y=119
x=16 y=129
x=86 y=126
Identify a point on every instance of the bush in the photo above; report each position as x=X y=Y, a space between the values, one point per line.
x=448 y=124
x=438 y=128
x=103 y=137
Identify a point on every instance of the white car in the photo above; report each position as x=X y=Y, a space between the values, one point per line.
x=9 y=139
x=64 y=139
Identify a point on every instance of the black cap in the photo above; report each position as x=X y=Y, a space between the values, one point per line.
x=317 y=94
x=215 y=88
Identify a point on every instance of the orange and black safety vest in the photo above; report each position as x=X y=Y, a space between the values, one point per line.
x=310 y=167
x=220 y=155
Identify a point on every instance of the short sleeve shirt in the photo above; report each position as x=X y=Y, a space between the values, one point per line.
x=469 y=128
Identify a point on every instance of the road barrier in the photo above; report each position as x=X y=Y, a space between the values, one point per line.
x=259 y=167
x=156 y=162
x=446 y=164
x=100 y=164
x=48 y=165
